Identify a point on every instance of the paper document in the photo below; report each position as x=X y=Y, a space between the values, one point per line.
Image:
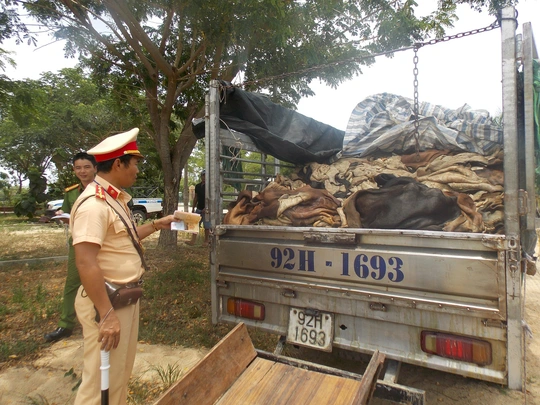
x=186 y=222
x=178 y=226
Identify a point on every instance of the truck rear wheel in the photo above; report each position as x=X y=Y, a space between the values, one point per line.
x=139 y=216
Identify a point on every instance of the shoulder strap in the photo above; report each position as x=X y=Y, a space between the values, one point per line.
x=136 y=243
x=73 y=187
x=81 y=203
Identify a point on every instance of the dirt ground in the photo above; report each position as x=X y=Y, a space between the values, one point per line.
x=46 y=377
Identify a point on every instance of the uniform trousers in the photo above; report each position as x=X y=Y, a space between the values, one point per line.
x=121 y=359
x=73 y=282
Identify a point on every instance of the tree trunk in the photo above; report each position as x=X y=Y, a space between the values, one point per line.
x=171 y=180
x=172 y=175
x=185 y=194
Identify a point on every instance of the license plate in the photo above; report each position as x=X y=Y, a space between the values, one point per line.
x=311 y=329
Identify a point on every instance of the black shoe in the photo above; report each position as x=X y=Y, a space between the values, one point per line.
x=57 y=334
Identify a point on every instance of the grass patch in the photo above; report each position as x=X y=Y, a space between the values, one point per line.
x=142 y=392
x=14 y=220
x=18 y=296
x=32 y=242
x=17 y=349
x=30 y=297
x=175 y=309
x=3 y=310
x=168 y=375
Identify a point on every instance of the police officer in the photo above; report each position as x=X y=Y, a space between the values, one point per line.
x=84 y=166
x=107 y=247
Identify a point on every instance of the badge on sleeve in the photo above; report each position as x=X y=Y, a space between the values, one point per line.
x=112 y=192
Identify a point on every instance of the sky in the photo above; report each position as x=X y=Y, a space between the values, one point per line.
x=453 y=73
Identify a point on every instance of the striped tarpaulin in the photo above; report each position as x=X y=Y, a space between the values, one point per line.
x=385 y=123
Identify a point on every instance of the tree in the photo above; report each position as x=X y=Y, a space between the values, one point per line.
x=23 y=142
x=5 y=189
x=45 y=122
x=170 y=49
x=27 y=203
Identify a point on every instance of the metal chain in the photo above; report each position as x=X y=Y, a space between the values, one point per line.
x=416 y=108
x=416 y=47
x=492 y=26
x=321 y=67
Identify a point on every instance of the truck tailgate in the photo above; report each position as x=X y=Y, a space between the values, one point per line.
x=442 y=271
x=381 y=288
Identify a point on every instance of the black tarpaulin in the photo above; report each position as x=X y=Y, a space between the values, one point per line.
x=276 y=130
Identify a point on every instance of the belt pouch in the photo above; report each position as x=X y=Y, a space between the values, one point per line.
x=122 y=296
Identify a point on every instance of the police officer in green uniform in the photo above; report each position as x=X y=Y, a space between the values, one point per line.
x=84 y=166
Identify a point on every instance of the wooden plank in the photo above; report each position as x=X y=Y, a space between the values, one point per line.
x=369 y=379
x=384 y=389
x=267 y=382
x=347 y=395
x=248 y=384
x=215 y=373
x=273 y=387
x=276 y=382
x=335 y=390
x=306 y=387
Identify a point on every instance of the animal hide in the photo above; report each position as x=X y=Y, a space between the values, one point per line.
x=403 y=203
x=279 y=205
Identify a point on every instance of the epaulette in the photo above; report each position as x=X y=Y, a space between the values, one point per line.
x=73 y=187
x=100 y=193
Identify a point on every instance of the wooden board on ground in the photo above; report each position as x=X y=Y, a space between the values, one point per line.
x=232 y=373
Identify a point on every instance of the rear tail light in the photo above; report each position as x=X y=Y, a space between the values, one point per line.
x=245 y=309
x=456 y=347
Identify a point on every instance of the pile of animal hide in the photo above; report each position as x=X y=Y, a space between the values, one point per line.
x=431 y=190
x=286 y=203
x=405 y=192
x=455 y=184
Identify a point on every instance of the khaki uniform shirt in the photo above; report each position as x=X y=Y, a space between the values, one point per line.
x=94 y=221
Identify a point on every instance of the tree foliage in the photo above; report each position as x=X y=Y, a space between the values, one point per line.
x=5 y=189
x=45 y=122
x=28 y=202
x=169 y=50
x=48 y=120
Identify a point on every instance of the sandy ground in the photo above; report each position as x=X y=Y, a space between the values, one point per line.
x=46 y=376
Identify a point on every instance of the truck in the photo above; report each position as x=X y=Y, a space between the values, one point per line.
x=144 y=207
x=446 y=300
x=146 y=202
